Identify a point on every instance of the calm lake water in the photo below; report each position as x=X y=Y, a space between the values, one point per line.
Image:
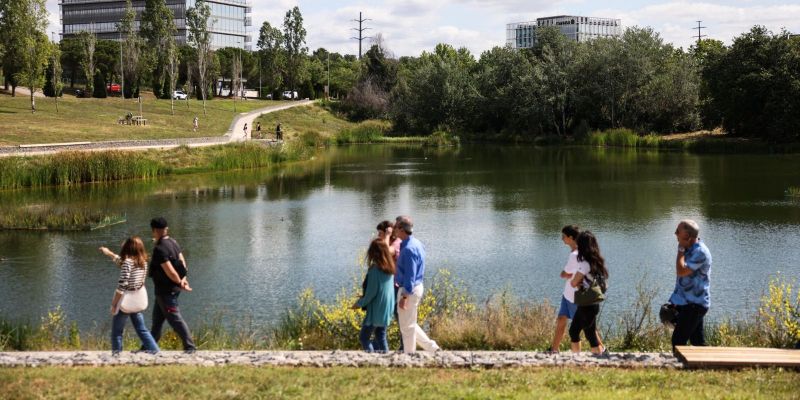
x=490 y=214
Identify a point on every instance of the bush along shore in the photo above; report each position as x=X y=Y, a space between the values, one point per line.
x=452 y=317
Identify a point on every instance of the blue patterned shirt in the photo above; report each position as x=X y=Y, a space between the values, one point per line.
x=694 y=288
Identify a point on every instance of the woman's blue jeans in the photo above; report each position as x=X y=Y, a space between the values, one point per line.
x=137 y=319
x=379 y=344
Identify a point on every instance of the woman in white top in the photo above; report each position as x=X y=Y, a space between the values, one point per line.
x=566 y=311
x=132 y=261
x=591 y=265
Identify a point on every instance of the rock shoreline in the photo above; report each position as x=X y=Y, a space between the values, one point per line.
x=337 y=358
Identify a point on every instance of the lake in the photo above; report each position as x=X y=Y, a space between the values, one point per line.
x=490 y=214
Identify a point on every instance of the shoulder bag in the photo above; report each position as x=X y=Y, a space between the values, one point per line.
x=594 y=294
x=134 y=301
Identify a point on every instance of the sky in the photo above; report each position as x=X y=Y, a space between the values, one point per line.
x=409 y=27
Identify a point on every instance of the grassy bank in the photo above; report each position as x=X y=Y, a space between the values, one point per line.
x=55 y=219
x=701 y=143
x=352 y=383
x=70 y=168
x=96 y=119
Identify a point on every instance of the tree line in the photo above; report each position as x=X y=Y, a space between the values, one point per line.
x=562 y=88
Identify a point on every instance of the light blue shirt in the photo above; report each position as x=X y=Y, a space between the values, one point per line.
x=694 y=288
x=410 y=264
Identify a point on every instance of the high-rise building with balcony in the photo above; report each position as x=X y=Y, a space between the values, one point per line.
x=522 y=35
x=229 y=23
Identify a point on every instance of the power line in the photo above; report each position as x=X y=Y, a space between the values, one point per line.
x=699 y=32
x=360 y=30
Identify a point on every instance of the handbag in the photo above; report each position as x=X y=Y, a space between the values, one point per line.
x=134 y=301
x=594 y=294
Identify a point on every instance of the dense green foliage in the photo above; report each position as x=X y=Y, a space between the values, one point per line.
x=754 y=85
x=635 y=81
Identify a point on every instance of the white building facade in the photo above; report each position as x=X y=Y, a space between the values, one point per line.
x=522 y=35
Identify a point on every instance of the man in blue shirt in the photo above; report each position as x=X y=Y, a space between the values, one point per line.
x=691 y=296
x=410 y=271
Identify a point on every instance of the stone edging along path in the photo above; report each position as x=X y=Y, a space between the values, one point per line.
x=234 y=134
x=337 y=358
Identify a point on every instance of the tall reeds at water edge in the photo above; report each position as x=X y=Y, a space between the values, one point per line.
x=55 y=219
x=71 y=168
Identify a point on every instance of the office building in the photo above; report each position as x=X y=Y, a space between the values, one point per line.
x=522 y=35
x=229 y=23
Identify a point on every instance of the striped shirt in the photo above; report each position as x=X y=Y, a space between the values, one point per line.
x=131 y=277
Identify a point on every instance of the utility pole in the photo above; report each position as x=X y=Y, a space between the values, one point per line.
x=699 y=33
x=360 y=30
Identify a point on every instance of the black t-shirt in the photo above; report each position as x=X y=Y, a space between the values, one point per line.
x=167 y=249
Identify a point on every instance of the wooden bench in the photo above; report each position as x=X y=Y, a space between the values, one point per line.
x=736 y=357
x=139 y=120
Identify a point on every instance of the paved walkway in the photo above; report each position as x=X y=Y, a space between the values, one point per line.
x=235 y=133
x=440 y=359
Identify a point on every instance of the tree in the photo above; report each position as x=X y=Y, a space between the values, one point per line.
x=172 y=72
x=99 y=85
x=294 y=37
x=270 y=44
x=158 y=30
x=557 y=61
x=71 y=51
x=197 y=20
x=132 y=45
x=53 y=85
x=22 y=32
x=88 y=40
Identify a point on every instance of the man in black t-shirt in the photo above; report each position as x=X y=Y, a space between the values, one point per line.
x=168 y=270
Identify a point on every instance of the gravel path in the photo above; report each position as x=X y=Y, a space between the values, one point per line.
x=440 y=359
x=235 y=133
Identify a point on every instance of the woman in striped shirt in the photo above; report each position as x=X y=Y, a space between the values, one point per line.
x=132 y=261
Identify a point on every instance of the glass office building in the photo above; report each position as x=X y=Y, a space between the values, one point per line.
x=522 y=35
x=229 y=23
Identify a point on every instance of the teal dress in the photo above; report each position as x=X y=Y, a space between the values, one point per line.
x=378 y=298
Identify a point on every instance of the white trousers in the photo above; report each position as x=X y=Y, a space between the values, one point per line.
x=409 y=329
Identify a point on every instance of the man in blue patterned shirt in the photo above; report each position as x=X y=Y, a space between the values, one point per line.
x=692 y=296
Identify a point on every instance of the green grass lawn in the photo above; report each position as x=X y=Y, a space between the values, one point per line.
x=299 y=120
x=242 y=382
x=96 y=119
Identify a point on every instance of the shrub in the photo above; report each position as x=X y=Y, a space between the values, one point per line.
x=780 y=312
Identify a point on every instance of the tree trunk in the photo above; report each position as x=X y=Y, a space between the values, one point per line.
x=33 y=102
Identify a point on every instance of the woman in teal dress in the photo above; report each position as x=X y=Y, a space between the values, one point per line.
x=378 y=299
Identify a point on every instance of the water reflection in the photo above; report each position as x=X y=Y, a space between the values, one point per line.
x=492 y=214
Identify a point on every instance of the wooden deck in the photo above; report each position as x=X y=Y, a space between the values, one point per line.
x=737 y=357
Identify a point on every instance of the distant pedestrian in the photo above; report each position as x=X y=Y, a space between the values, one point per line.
x=278 y=133
x=410 y=272
x=195 y=123
x=591 y=269
x=258 y=129
x=168 y=269
x=130 y=298
x=691 y=297
x=378 y=299
x=245 y=130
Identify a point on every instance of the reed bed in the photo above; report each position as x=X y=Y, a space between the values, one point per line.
x=53 y=218
x=71 y=168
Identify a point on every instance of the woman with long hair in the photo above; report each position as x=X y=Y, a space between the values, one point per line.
x=591 y=266
x=378 y=299
x=132 y=261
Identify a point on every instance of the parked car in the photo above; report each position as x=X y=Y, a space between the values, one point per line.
x=114 y=88
x=268 y=96
x=80 y=93
x=289 y=95
x=179 y=95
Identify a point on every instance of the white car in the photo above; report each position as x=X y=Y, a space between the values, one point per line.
x=179 y=95
x=288 y=95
